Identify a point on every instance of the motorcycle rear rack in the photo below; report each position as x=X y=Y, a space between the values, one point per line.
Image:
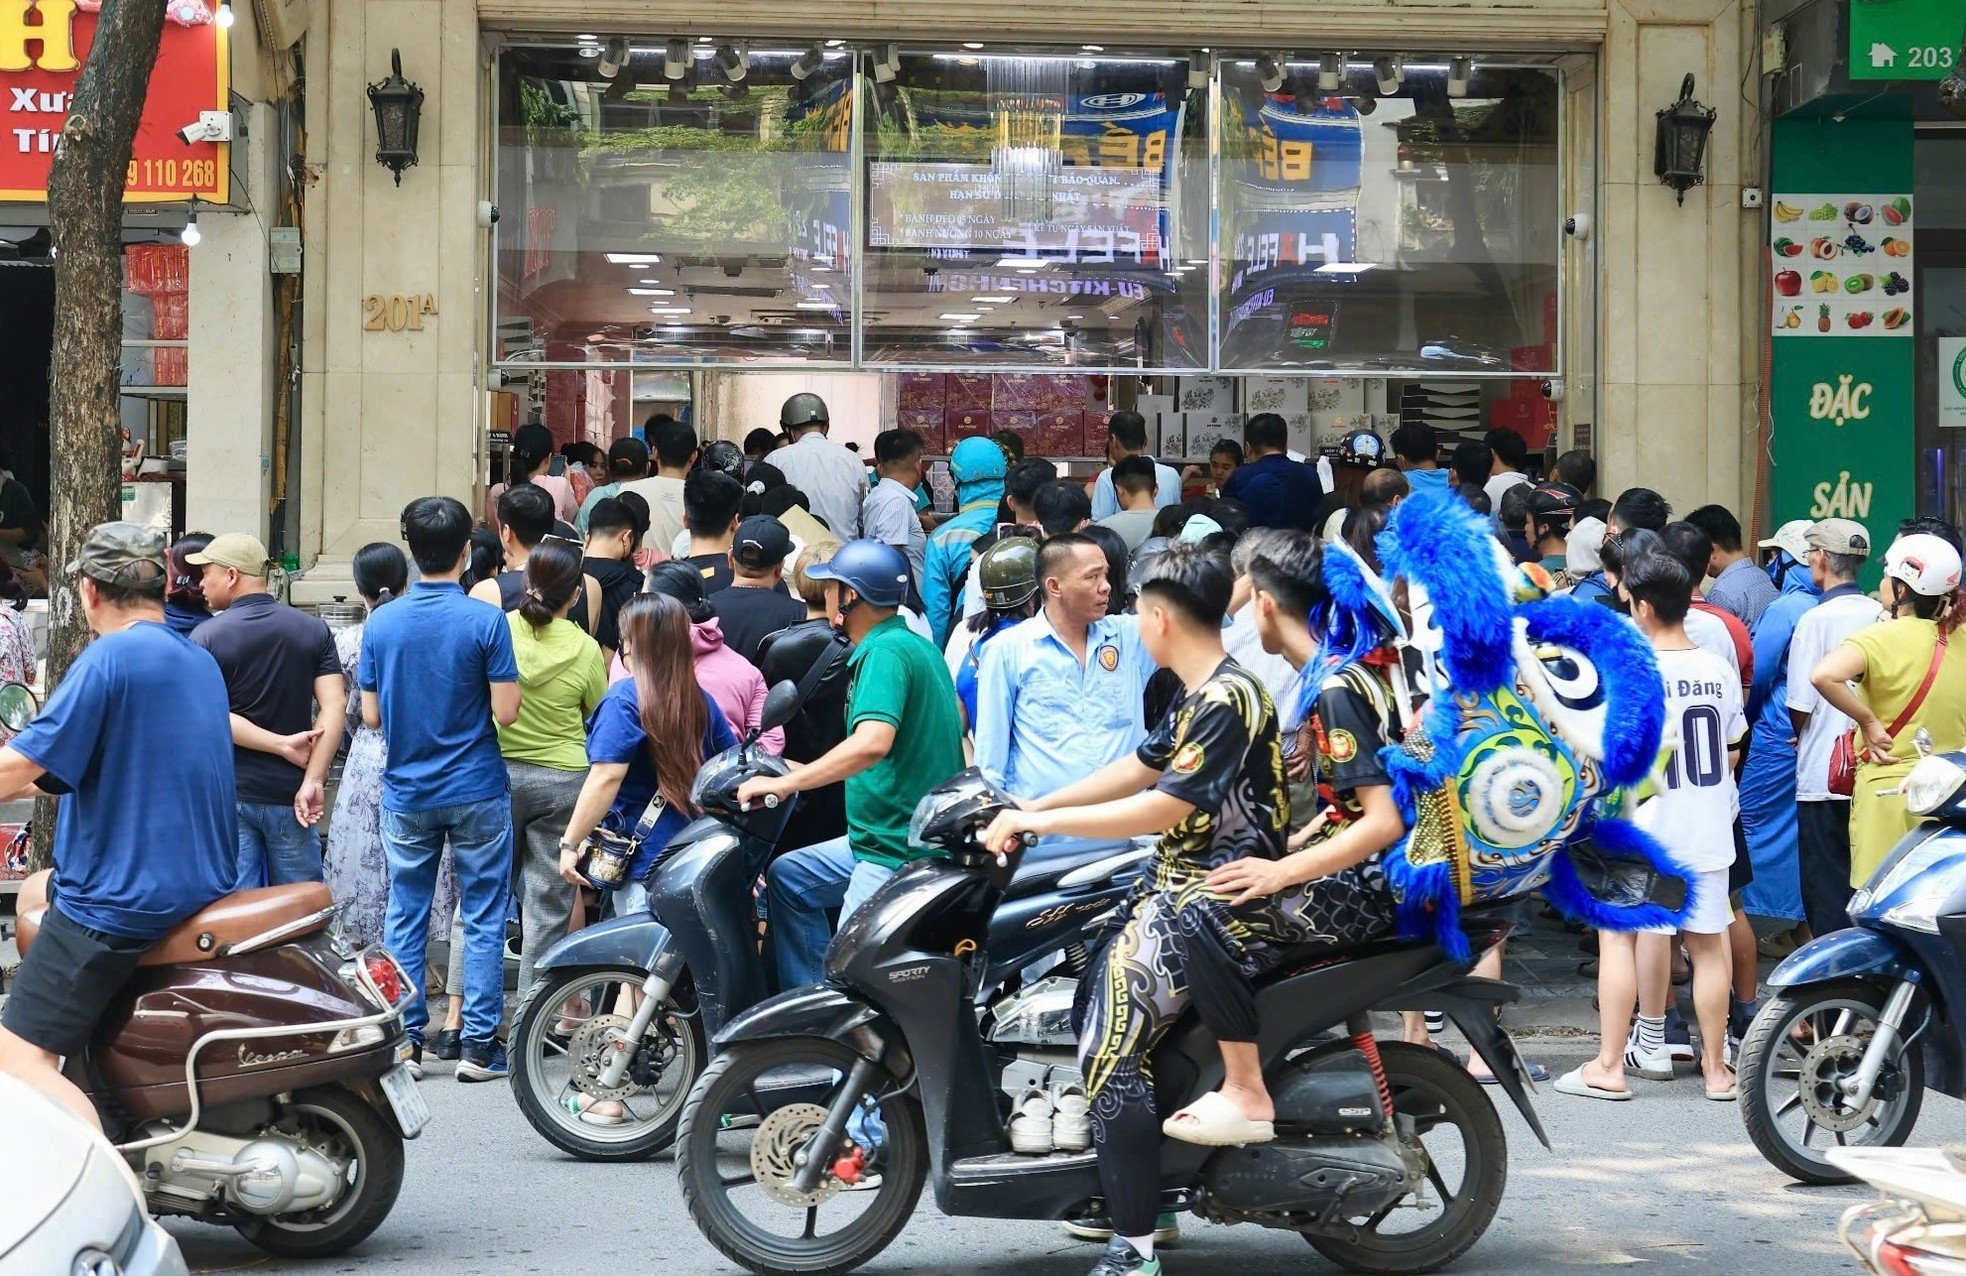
x=260 y=1034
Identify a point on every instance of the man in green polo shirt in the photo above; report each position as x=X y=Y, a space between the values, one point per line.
x=904 y=737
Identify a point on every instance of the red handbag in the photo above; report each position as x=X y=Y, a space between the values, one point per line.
x=1845 y=754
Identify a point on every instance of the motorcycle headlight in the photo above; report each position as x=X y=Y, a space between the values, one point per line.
x=927 y=811
x=1934 y=782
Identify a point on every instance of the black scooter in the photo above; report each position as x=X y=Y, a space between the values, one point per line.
x=1389 y=1157
x=614 y=1031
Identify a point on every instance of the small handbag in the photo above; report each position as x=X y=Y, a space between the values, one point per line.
x=606 y=856
x=1845 y=753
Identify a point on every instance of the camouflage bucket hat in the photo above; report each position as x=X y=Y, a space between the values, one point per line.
x=119 y=553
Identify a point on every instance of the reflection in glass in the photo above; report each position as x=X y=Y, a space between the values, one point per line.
x=693 y=206
x=1036 y=211
x=1412 y=229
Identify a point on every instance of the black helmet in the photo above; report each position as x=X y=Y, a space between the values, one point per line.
x=1008 y=573
x=955 y=812
x=803 y=409
x=723 y=457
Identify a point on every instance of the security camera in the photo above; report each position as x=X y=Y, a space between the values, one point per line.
x=1577 y=225
x=210 y=126
x=487 y=214
x=1552 y=388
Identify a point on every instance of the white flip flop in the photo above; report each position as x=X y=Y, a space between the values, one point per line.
x=1213 y=1122
x=1573 y=1083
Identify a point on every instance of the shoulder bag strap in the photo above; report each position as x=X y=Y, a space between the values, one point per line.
x=835 y=652
x=1918 y=696
x=651 y=815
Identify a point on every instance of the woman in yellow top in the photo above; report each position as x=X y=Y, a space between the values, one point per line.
x=1891 y=660
x=562 y=678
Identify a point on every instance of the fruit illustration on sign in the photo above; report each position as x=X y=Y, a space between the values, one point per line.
x=1858 y=319
x=1894 y=247
x=1791 y=317
x=1895 y=283
x=1788 y=283
x=1897 y=212
x=1822 y=281
x=1787 y=212
x=1822 y=317
x=1827 y=213
x=1856 y=213
x=1858 y=245
x=1896 y=318
x=1823 y=249
x=1786 y=247
x=1859 y=283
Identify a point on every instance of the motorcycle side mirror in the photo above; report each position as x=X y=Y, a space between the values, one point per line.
x=17 y=706
x=781 y=702
x=1922 y=741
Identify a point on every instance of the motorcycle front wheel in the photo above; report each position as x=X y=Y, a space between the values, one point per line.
x=745 y=1125
x=561 y=1044
x=1797 y=1051
x=1467 y=1154
x=345 y=1128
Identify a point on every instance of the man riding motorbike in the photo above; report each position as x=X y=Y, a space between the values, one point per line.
x=1221 y=902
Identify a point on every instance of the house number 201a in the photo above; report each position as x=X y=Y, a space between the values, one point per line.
x=395 y=312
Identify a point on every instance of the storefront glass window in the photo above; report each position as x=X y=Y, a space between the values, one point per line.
x=675 y=203
x=1036 y=211
x=1384 y=214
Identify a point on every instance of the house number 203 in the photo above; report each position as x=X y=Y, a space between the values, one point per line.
x=395 y=312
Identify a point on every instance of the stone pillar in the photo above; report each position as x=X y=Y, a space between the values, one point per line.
x=1677 y=284
x=229 y=412
x=388 y=415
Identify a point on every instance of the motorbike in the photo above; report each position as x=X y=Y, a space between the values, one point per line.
x=1919 y=1225
x=254 y=1071
x=1364 y=1128
x=623 y=1012
x=1861 y=1022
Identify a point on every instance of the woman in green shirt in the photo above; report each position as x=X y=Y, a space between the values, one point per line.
x=562 y=678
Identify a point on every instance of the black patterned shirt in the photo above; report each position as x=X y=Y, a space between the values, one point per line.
x=1219 y=750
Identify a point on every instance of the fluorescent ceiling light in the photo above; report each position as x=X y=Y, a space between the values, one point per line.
x=991 y=301
x=817 y=305
x=1346 y=267
x=668 y=310
x=970 y=44
x=1021 y=263
x=651 y=292
x=635 y=259
x=1092 y=48
x=960 y=316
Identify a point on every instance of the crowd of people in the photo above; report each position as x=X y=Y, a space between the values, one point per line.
x=1134 y=656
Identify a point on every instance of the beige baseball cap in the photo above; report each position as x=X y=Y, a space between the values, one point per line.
x=244 y=554
x=1792 y=538
x=1840 y=536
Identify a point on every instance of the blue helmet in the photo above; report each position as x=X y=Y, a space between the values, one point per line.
x=875 y=570
x=976 y=458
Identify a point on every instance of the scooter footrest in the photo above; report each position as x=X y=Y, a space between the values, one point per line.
x=983 y=1168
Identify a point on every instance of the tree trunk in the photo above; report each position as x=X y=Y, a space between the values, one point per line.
x=85 y=207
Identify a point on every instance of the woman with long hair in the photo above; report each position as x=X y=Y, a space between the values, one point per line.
x=1910 y=673
x=357 y=871
x=730 y=680
x=532 y=462
x=562 y=678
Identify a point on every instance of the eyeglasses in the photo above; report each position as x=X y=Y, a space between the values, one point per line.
x=564 y=540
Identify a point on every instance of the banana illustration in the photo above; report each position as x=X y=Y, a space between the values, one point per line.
x=1784 y=213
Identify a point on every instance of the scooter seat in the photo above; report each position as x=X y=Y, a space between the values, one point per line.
x=213 y=929
x=1052 y=858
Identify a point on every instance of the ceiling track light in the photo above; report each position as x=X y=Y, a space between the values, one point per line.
x=734 y=60
x=809 y=61
x=1459 y=72
x=675 y=60
x=1330 y=72
x=1269 y=70
x=1390 y=72
x=613 y=57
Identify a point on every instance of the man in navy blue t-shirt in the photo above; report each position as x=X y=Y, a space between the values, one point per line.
x=1275 y=490
x=437 y=671
x=140 y=844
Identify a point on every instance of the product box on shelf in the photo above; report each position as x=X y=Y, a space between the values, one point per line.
x=921 y=391
x=926 y=422
x=1061 y=434
x=961 y=423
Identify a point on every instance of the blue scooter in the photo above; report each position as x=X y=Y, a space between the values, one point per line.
x=617 y=1026
x=1860 y=1022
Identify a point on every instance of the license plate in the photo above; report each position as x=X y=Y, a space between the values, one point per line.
x=405 y=1100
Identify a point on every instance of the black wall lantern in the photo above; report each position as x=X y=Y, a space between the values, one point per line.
x=398 y=110
x=1679 y=156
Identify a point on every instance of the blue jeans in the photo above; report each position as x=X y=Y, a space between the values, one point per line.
x=274 y=850
x=799 y=889
x=480 y=836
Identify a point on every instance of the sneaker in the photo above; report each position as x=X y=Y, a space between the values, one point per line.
x=415 y=1061
x=1121 y=1259
x=1654 y=1066
x=1740 y=1017
x=1030 y=1128
x=1679 y=1044
x=1095 y=1226
x=446 y=1044
x=483 y=1062
x=1071 y=1119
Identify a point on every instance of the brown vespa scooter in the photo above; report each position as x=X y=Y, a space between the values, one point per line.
x=252 y=1071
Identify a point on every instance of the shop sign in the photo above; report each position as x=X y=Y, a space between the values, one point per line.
x=1092 y=214
x=1904 y=39
x=1843 y=265
x=1952 y=382
x=43 y=44
x=1842 y=448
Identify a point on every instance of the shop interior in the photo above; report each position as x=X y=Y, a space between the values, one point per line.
x=972 y=239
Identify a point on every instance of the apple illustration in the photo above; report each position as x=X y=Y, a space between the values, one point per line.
x=1788 y=283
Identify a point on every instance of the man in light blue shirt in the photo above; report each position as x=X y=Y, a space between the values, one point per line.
x=1059 y=696
x=888 y=514
x=1126 y=435
x=1416 y=450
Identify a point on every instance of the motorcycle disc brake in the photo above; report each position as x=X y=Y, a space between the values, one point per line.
x=780 y=1138
x=588 y=1052
x=1823 y=1069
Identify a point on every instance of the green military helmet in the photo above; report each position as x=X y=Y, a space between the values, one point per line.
x=1008 y=573
x=804 y=408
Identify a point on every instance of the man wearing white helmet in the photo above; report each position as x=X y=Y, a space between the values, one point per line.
x=1912 y=676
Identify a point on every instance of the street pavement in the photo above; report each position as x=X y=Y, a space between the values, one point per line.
x=1665 y=1183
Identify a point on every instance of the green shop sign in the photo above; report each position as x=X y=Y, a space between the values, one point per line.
x=1842 y=443
x=1904 y=39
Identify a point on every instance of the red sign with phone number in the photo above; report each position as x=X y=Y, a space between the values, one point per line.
x=42 y=46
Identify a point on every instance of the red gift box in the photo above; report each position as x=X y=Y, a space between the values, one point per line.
x=962 y=423
x=170 y=316
x=925 y=422
x=1061 y=434
x=1015 y=394
x=922 y=392
x=1061 y=394
x=1096 y=432
x=967 y=391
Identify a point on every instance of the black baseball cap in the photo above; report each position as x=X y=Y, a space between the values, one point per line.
x=630 y=449
x=1554 y=498
x=762 y=542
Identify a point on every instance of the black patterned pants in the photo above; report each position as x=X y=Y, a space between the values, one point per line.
x=1184 y=945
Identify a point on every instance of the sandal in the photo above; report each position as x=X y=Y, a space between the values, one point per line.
x=1573 y=1083
x=1213 y=1122
x=594 y=1111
